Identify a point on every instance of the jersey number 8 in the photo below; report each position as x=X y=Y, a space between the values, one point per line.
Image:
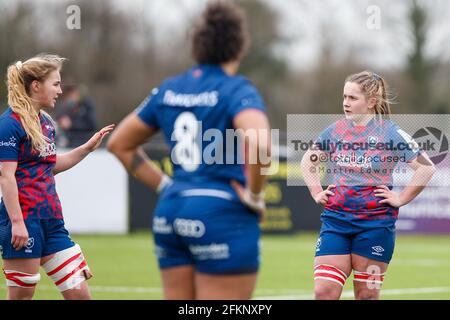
x=186 y=151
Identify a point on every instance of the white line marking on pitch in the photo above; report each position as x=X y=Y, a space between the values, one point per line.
x=422 y=262
x=104 y=289
x=286 y=294
x=95 y=288
x=350 y=294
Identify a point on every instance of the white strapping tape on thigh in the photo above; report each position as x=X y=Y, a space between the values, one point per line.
x=66 y=268
x=330 y=273
x=21 y=279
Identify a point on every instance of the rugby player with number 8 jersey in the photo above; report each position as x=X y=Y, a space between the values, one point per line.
x=205 y=224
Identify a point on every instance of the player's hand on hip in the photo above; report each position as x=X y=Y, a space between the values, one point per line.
x=322 y=197
x=253 y=201
x=97 y=138
x=19 y=235
x=390 y=197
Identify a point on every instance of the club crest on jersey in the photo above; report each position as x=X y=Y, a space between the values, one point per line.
x=372 y=140
x=318 y=244
x=29 y=245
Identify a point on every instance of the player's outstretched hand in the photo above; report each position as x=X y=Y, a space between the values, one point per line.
x=322 y=197
x=390 y=197
x=249 y=199
x=97 y=138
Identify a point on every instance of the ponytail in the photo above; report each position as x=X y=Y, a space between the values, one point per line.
x=19 y=78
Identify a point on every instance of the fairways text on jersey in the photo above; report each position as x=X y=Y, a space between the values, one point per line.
x=194 y=110
x=204 y=99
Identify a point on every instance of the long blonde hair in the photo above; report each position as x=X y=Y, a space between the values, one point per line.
x=19 y=78
x=374 y=86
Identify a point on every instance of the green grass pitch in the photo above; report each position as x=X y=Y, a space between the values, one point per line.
x=124 y=267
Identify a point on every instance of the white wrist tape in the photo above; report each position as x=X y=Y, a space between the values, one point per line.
x=164 y=183
x=254 y=200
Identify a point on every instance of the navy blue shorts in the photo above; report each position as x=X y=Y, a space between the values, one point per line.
x=209 y=229
x=46 y=237
x=339 y=237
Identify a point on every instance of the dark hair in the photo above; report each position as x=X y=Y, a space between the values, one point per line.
x=221 y=34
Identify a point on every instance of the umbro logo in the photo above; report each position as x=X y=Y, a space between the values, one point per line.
x=378 y=250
